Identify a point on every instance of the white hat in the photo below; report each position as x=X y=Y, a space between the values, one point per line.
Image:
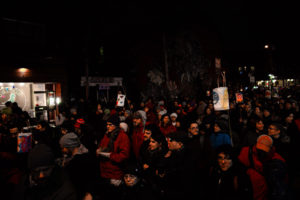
x=174 y=115
x=124 y=126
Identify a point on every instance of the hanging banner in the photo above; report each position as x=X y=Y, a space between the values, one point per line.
x=121 y=100
x=239 y=97
x=221 y=98
x=24 y=142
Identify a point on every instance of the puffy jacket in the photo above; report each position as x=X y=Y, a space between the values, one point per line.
x=111 y=167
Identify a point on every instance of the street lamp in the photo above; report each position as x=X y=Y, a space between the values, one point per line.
x=23 y=72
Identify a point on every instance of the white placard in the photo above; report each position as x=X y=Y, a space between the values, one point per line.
x=121 y=100
x=221 y=98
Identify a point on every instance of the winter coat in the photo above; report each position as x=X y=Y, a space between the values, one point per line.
x=218 y=139
x=110 y=168
x=167 y=129
x=259 y=183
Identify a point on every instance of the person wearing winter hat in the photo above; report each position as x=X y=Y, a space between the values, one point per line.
x=166 y=126
x=174 y=121
x=114 y=120
x=177 y=140
x=264 y=143
x=69 y=140
x=257 y=160
x=45 y=179
x=177 y=164
x=133 y=185
x=113 y=150
x=78 y=163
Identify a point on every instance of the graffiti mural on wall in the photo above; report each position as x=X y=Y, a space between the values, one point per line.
x=13 y=94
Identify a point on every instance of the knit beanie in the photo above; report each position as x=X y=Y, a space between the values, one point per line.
x=70 y=140
x=79 y=122
x=40 y=155
x=114 y=119
x=124 y=126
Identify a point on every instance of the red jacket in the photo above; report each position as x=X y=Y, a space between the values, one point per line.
x=259 y=184
x=137 y=139
x=168 y=129
x=109 y=168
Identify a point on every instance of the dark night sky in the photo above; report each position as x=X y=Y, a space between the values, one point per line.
x=243 y=28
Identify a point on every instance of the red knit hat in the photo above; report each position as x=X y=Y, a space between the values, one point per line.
x=79 y=122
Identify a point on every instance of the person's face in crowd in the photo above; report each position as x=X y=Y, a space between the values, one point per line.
x=130 y=180
x=153 y=144
x=281 y=106
x=63 y=131
x=166 y=119
x=208 y=111
x=211 y=106
x=4 y=116
x=194 y=129
x=147 y=134
x=273 y=131
x=39 y=127
x=289 y=119
x=142 y=104
x=174 y=145
x=224 y=161
x=99 y=107
x=217 y=128
x=137 y=121
x=77 y=130
x=126 y=114
x=259 y=125
x=65 y=151
x=41 y=174
x=247 y=108
x=110 y=127
x=232 y=105
x=173 y=118
x=175 y=104
x=257 y=110
x=288 y=106
x=146 y=109
x=266 y=113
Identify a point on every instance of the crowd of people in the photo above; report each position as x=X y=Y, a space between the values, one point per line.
x=156 y=149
